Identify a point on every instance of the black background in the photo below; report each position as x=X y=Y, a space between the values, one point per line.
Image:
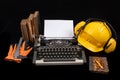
x=11 y=13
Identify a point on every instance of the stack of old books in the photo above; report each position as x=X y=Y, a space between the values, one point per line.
x=30 y=27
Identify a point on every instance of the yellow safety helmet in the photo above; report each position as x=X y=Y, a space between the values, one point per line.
x=96 y=35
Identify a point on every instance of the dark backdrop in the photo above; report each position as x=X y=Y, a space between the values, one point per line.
x=12 y=11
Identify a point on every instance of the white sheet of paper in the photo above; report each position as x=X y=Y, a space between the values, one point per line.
x=58 y=29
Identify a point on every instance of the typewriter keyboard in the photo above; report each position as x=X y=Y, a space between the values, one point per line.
x=60 y=53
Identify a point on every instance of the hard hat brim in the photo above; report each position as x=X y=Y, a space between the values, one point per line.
x=88 y=45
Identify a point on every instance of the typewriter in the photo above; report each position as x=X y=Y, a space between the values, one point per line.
x=58 y=52
x=53 y=50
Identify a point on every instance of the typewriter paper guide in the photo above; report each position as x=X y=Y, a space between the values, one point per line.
x=58 y=29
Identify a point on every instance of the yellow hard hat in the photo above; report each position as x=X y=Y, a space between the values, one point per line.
x=95 y=36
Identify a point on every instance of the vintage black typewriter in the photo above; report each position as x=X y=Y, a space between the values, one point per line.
x=58 y=50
